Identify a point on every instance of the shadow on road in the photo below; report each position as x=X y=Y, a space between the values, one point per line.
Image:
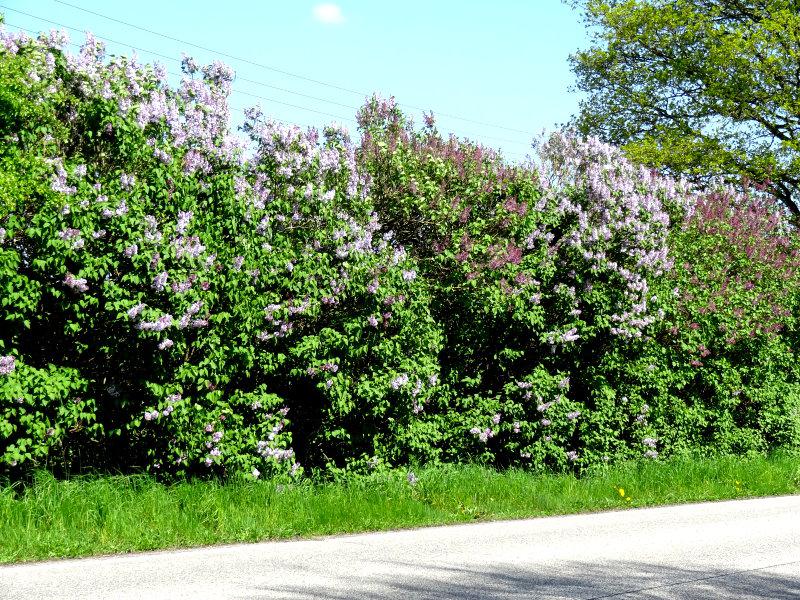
x=624 y=580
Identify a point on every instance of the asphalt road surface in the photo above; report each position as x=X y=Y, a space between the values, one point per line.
x=740 y=550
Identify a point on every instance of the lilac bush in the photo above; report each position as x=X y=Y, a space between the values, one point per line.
x=224 y=303
x=192 y=300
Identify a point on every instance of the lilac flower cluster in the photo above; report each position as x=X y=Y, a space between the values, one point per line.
x=483 y=434
x=76 y=283
x=7 y=365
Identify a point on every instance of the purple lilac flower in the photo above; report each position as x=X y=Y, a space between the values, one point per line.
x=7 y=365
x=564 y=383
x=188 y=65
x=181 y=287
x=136 y=311
x=516 y=427
x=183 y=220
x=237 y=263
x=573 y=415
x=164 y=345
x=188 y=246
x=160 y=281
x=545 y=422
x=161 y=324
x=77 y=284
x=399 y=381
x=131 y=251
x=127 y=181
x=217 y=436
x=409 y=275
x=372 y=320
x=650 y=442
x=572 y=456
x=496 y=418
x=651 y=454
x=570 y=336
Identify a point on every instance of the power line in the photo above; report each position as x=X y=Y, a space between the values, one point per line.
x=235 y=91
x=277 y=70
x=172 y=59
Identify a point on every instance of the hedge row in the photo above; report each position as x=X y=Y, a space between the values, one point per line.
x=189 y=300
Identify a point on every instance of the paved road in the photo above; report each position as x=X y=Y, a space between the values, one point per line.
x=740 y=549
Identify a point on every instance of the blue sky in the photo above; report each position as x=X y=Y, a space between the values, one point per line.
x=502 y=63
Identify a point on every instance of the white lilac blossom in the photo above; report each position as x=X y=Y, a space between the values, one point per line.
x=573 y=415
x=165 y=344
x=7 y=365
x=572 y=455
x=650 y=442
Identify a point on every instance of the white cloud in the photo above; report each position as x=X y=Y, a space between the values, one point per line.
x=330 y=14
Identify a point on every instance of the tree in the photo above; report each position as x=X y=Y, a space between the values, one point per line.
x=702 y=88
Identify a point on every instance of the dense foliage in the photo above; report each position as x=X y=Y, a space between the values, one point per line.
x=182 y=299
x=707 y=88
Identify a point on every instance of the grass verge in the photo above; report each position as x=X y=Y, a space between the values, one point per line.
x=81 y=517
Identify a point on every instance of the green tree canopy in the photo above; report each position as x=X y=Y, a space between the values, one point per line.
x=704 y=88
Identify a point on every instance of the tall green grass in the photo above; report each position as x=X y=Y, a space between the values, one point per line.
x=81 y=517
